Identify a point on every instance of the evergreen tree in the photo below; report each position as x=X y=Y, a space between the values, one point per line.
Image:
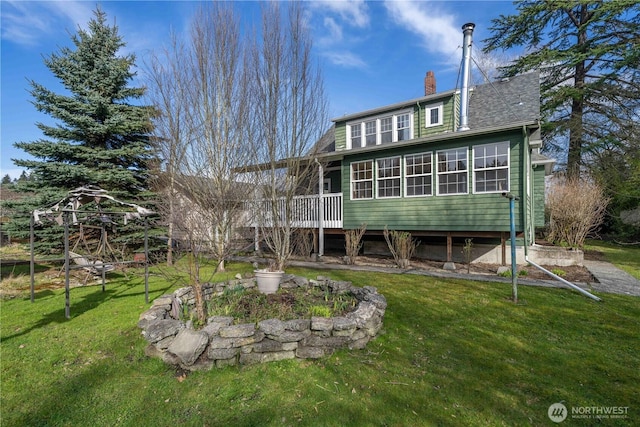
x=6 y=180
x=101 y=136
x=588 y=53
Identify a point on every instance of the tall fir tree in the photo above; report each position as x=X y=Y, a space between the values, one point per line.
x=101 y=137
x=588 y=53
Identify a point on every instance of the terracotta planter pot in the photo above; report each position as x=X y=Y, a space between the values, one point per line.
x=268 y=281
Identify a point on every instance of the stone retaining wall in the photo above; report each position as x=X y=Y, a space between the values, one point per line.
x=222 y=343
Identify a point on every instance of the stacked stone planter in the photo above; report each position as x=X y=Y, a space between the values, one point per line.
x=221 y=342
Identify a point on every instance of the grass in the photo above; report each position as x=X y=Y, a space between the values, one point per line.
x=452 y=352
x=626 y=257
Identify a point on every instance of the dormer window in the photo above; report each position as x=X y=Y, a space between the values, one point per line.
x=382 y=129
x=370 y=133
x=433 y=115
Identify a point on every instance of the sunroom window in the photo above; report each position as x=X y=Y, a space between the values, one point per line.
x=452 y=171
x=491 y=168
x=418 y=175
x=362 y=180
x=388 y=177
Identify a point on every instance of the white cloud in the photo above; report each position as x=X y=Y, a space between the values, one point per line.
x=335 y=31
x=345 y=59
x=355 y=12
x=438 y=30
x=27 y=23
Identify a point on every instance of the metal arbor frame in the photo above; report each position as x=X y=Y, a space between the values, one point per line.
x=69 y=208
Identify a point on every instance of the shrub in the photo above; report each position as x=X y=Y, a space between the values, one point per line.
x=576 y=208
x=401 y=245
x=353 y=242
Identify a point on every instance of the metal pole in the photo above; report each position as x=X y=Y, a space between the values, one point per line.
x=102 y=254
x=32 y=269
x=67 y=311
x=146 y=261
x=514 y=273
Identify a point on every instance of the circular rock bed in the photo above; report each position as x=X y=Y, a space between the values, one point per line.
x=223 y=341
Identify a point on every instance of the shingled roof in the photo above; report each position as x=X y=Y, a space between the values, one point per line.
x=505 y=101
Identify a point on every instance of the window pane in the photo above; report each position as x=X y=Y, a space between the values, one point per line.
x=370 y=133
x=418 y=175
x=356 y=136
x=362 y=180
x=452 y=171
x=434 y=116
x=386 y=130
x=404 y=127
x=491 y=167
x=388 y=173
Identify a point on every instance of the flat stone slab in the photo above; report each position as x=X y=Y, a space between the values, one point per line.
x=611 y=279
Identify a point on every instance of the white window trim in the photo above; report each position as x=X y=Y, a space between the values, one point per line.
x=352 y=182
x=438 y=173
x=508 y=167
x=377 y=178
x=377 y=118
x=404 y=172
x=427 y=114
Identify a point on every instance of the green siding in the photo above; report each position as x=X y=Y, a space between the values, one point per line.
x=469 y=212
x=341 y=136
x=448 y=118
x=538 y=196
x=450 y=106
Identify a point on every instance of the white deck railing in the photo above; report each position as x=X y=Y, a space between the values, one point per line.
x=305 y=211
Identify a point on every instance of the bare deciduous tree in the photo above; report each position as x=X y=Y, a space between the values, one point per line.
x=290 y=112
x=203 y=91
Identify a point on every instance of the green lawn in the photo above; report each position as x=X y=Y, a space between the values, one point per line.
x=452 y=352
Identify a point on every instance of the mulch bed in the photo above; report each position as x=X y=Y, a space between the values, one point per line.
x=572 y=273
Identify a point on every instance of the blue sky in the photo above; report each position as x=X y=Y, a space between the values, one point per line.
x=371 y=53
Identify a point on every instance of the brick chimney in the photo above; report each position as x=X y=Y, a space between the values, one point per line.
x=429 y=83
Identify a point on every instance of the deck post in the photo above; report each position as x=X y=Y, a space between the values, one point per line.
x=320 y=209
x=449 y=265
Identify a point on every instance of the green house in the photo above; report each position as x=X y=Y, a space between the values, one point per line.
x=437 y=166
x=421 y=166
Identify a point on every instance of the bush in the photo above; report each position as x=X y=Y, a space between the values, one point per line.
x=577 y=207
x=353 y=243
x=401 y=245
